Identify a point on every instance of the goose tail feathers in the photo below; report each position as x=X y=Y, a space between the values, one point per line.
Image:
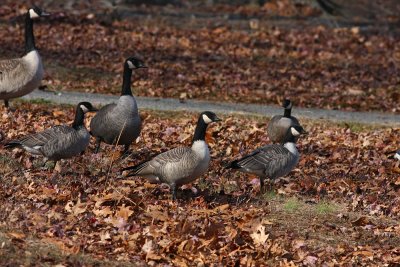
x=136 y=169
x=12 y=144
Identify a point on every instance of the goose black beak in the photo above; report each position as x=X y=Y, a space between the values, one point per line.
x=217 y=119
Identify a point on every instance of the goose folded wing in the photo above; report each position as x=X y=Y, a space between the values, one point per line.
x=101 y=121
x=8 y=66
x=156 y=166
x=269 y=158
x=173 y=155
x=42 y=138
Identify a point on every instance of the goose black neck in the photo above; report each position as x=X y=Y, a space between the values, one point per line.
x=79 y=118
x=126 y=82
x=287 y=113
x=29 y=38
x=200 y=132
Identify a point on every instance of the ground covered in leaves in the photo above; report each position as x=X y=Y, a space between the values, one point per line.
x=242 y=59
x=341 y=205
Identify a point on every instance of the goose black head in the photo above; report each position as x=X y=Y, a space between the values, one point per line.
x=208 y=117
x=86 y=107
x=36 y=12
x=297 y=130
x=205 y=118
x=287 y=104
x=134 y=63
x=293 y=133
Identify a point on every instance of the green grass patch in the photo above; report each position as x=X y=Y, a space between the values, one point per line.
x=324 y=207
x=292 y=205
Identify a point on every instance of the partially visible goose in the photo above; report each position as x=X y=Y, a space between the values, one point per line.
x=271 y=161
x=61 y=141
x=180 y=165
x=119 y=122
x=278 y=125
x=394 y=154
x=20 y=76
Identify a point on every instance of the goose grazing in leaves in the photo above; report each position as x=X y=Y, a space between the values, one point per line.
x=61 y=141
x=180 y=165
x=20 y=76
x=119 y=123
x=279 y=125
x=271 y=161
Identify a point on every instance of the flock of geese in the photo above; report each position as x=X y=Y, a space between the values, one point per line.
x=120 y=124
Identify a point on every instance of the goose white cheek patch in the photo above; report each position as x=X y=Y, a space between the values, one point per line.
x=397 y=156
x=84 y=108
x=206 y=119
x=33 y=14
x=130 y=64
x=294 y=132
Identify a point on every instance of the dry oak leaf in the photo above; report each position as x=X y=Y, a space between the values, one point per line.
x=259 y=236
x=76 y=209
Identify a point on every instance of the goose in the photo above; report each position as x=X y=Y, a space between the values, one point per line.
x=394 y=154
x=397 y=155
x=271 y=161
x=119 y=122
x=278 y=125
x=60 y=141
x=20 y=76
x=180 y=165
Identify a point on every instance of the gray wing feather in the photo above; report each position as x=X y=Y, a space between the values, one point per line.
x=41 y=138
x=99 y=123
x=10 y=69
x=272 y=160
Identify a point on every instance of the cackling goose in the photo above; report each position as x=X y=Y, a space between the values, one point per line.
x=20 y=76
x=119 y=122
x=278 y=125
x=180 y=165
x=271 y=161
x=58 y=142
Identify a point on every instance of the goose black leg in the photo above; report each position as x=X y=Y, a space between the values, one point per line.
x=6 y=103
x=126 y=149
x=261 y=185
x=98 y=142
x=173 y=191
